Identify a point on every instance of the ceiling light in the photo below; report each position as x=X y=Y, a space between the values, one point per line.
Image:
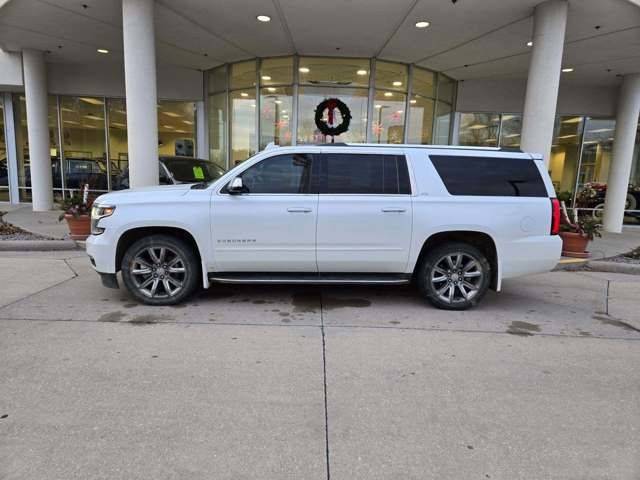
x=170 y=114
x=397 y=83
x=253 y=105
x=303 y=70
x=573 y=120
x=263 y=18
x=477 y=126
x=93 y=117
x=187 y=122
x=117 y=124
x=103 y=50
x=388 y=94
x=567 y=70
x=600 y=130
x=271 y=89
x=362 y=72
x=244 y=94
x=92 y=101
x=378 y=106
x=413 y=101
x=529 y=43
x=399 y=112
x=168 y=126
x=422 y=24
x=567 y=136
x=277 y=102
x=266 y=78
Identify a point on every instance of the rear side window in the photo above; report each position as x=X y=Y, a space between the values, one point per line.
x=489 y=176
x=356 y=173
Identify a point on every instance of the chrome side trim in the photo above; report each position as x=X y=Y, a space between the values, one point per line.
x=315 y=281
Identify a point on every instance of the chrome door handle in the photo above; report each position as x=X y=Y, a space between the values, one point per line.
x=298 y=210
x=394 y=210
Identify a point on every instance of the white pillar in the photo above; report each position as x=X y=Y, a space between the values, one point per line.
x=35 y=89
x=140 y=84
x=623 y=144
x=549 y=24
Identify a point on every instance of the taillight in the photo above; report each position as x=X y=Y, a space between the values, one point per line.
x=555 y=216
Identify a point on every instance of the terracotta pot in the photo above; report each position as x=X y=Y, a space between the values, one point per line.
x=574 y=245
x=79 y=227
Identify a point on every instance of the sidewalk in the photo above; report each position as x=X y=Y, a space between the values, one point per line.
x=41 y=223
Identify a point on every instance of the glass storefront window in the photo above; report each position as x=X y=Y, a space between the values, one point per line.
x=118 y=147
x=423 y=83
x=276 y=71
x=310 y=97
x=243 y=125
x=276 y=112
x=387 y=124
x=596 y=151
x=443 y=123
x=217 y=81
x=391 y=76
x=347 y=72
x=217 y=129
x=84 y=148
x=243 y=75
x=510 y=130
x=446 y=89
x=479 y=129
x=420 y=120
x=176 y=128
x=565 y=153
x=4 y=163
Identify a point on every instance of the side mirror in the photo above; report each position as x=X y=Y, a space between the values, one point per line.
x=236 y=186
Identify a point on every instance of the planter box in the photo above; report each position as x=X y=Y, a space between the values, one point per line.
x=79 y=227
x=574 y=245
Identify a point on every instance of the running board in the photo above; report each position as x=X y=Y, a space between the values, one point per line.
x=311 y=278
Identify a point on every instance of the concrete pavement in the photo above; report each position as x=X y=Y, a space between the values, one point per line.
x=249 y=382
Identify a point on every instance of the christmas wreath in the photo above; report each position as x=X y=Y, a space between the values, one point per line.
x=331 y=104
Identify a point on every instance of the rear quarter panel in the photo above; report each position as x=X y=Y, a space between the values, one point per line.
x=519 y=226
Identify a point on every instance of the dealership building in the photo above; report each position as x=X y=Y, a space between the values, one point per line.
x=98 y=89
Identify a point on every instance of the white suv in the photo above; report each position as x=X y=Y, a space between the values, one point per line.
x=455 y=220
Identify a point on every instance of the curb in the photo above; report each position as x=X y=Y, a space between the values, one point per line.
x=37 y=245
x=614 y=267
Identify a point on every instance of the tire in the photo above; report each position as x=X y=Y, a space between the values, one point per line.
x=160 y=270
x=436 y=278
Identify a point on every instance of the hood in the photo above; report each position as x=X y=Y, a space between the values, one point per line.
x=147 y=193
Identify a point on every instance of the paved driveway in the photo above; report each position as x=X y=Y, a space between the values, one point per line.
x=249 y=382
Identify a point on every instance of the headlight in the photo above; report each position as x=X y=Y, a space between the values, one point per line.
x=98 y=212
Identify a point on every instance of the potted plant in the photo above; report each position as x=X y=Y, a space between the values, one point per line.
x=577 y=234
x=76 y=210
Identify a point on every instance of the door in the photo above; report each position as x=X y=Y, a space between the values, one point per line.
x=364 y=213
x=272 y=226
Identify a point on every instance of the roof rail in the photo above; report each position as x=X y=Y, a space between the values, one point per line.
x=412 y=145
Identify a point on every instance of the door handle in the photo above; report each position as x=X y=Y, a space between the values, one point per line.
x=298 y=210
x=394 y=210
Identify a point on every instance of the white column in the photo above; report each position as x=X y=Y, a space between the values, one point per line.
x=623 y=144
x=549 y=24
x=35 y=89
x=140 y=84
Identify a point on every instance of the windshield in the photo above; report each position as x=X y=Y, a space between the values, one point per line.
x=191 y=170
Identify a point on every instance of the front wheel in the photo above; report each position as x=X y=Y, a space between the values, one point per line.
x=454 y=276
x=160 y=270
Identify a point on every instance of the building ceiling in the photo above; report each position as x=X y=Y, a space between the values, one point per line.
x=468 y=39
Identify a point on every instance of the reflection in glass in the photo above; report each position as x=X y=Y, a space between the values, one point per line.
x=176 y=128
x=446 y=88
x=510 y=130
x=218 y=79
x=420 y=120
x=310 y=97
x=347 y=72
x=217 y=128
x=387 y=125
x=243 y=75
x=276 y=71
x=391 y=76
x=4 y=164
x=276 y=105
x=565 y=152
x=479 y=129
x=243 y=125
x=118 y=147
x=443 y=123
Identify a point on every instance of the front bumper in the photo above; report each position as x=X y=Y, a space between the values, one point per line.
x=102 y=253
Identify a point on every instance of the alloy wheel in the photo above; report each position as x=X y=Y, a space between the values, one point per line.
x=158 y=272
x=457 y=277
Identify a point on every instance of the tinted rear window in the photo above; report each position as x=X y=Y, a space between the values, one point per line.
x=365 y=174
x=489 y=176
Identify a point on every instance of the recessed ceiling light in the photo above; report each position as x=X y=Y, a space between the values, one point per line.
x=397 y=83
x=567 y=70
x=529 y=43
x=303 y=70
x=103 y=50
x=422 y=24
x=271 y=89
x=263 y=18
x=266 y=77
x=362 y=72
x=413 y=100
x=388 y=94
x=244 y=94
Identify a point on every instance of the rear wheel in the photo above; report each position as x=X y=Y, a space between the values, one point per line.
x=160 y=270
x=454 y=276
